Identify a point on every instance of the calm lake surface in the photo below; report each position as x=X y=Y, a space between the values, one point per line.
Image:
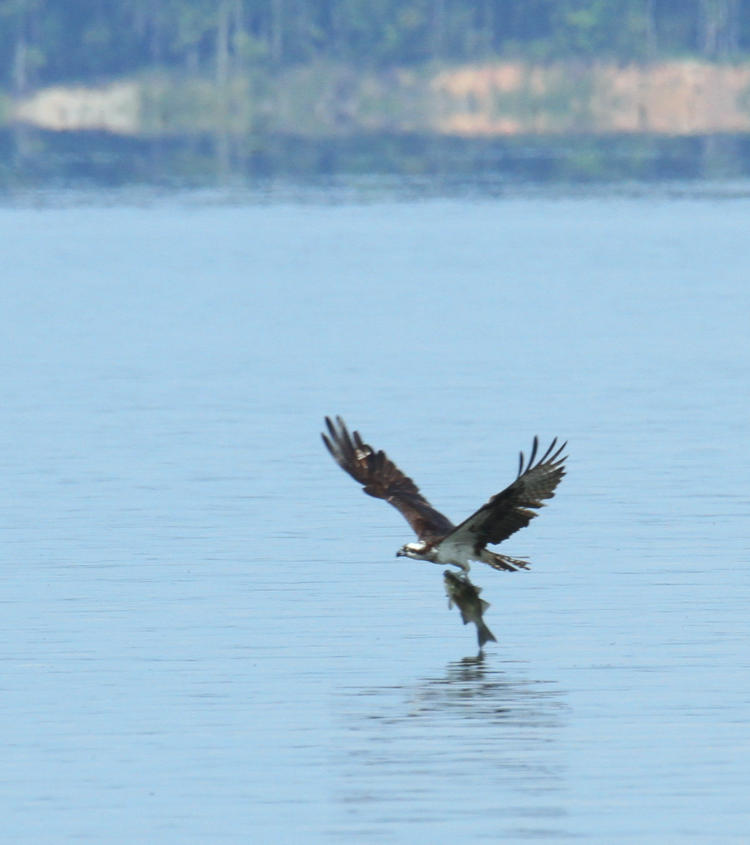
x=206 y=636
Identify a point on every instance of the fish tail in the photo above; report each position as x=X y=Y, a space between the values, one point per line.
x=484 y=634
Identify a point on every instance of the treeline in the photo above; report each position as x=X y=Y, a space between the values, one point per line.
x=48 y=41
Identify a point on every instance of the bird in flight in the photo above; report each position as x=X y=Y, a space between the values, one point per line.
x=439 y=540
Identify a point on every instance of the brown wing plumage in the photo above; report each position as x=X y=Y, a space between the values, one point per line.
x=509 y=511
x=382 y=479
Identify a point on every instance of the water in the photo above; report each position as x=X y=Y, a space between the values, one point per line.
x=206 y=636
x=431 y=164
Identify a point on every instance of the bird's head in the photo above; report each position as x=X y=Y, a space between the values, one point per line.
x=412 y=550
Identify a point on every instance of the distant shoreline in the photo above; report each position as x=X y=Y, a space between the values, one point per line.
x=497 y=99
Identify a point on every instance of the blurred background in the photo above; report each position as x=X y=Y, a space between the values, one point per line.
x=191 y=93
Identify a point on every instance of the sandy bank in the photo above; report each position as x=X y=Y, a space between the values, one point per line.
x=676 y=98
x=502 y=98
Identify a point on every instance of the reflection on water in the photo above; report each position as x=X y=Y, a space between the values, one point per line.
x=480 y=691
x=400 y=164
x=479 y=734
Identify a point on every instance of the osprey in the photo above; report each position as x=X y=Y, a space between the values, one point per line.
x=440 y=541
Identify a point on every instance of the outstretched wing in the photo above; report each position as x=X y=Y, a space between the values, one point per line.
x=382 y=479
x=509 y=511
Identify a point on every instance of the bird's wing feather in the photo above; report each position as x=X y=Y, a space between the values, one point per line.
x=509 y=510
x=382 y=479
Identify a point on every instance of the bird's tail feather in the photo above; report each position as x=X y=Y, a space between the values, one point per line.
x=498 y=561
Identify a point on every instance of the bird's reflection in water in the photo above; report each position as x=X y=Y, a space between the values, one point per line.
x=476 y=688
x=481 y=689
x=474 y=744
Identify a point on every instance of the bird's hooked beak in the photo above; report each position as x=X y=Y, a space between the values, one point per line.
x=400 y=553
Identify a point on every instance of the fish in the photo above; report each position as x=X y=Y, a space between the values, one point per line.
x=465 y=596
